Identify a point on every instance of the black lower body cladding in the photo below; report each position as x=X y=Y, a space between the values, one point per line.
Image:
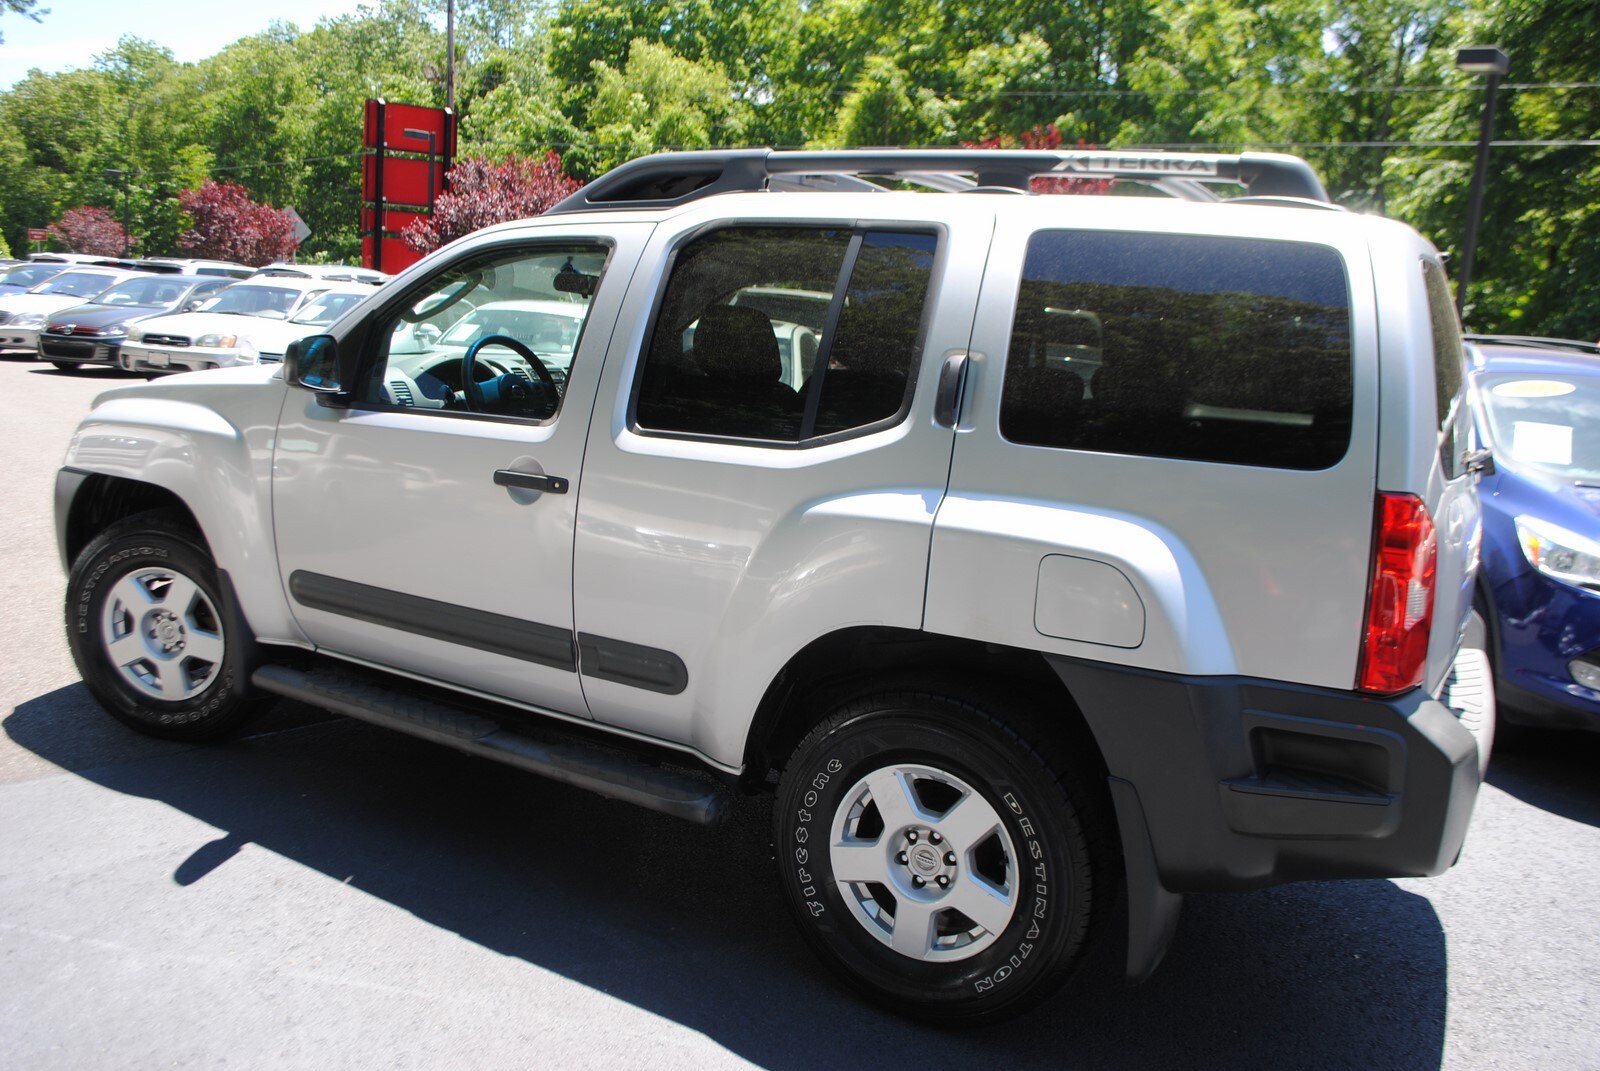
x=1247 y=783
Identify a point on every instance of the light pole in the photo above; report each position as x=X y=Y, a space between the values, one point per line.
x=1492 y=61
x=450 y=54
x=112 y=175
x=428 y=134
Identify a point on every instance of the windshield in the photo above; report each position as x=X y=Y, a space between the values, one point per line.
x=543 y=332
x=28 y=276
x=254 y=300
x=1549 y=422
x=151 y=293
x=326 y=309
x=76 y=284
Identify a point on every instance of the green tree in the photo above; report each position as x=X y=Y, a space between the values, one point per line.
x=1538 y=250
x=27 y=8
x=885 y=108
x=659 y=100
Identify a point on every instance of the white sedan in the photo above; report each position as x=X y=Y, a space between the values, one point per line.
x=219 y=333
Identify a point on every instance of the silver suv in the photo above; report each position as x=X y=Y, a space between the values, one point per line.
x=1034 y=552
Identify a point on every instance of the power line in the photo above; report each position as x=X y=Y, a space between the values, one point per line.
x=1276 y=87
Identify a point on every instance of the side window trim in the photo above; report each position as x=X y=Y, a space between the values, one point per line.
x=830 y=332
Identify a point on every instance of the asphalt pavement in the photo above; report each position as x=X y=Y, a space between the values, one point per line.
x=323 y=894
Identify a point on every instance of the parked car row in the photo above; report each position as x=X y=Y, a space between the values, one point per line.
x=168 y=315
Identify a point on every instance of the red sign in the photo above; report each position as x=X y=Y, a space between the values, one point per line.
x=401 y=189
x=405 y=181
x=395 y=221
x=38 y=234
x=403 y=122
x=397 y=256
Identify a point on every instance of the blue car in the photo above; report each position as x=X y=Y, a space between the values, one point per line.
x=1537 y=404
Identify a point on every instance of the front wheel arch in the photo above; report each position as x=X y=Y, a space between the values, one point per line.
x=100 y=501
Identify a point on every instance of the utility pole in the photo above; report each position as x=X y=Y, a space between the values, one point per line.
x=1491 y=61
x=450 y=55
x=112 y=174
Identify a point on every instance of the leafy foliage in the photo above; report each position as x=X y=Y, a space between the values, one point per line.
x=27 y=8
x=1366 y=89
x=1047 y=137
x=90 y=230
x=226 y=225
x=482 y=193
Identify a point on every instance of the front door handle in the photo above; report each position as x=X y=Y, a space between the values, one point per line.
x=533 y=481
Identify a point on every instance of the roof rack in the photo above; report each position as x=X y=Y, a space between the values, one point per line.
x=666 y=180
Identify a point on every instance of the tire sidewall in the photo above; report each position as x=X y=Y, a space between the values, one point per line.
x=95 y=573
x=1052 y=909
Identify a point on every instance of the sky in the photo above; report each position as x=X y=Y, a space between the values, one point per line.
x=75 y=31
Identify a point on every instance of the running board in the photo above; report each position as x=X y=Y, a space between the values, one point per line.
x=611 y=772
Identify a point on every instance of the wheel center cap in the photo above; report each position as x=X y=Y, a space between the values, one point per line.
x=167 y=631
x=925 y=859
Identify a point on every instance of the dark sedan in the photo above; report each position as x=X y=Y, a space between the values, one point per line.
x=93 y=333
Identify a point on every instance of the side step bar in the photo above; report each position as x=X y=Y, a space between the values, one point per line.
x=610 y=772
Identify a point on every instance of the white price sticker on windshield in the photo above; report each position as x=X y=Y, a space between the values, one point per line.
x=1541 y=444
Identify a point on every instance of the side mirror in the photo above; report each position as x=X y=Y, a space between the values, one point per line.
x=313 y=363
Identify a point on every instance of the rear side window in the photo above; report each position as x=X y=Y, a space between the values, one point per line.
x=1232 y=350
x=786 y=334
x=1449 y=362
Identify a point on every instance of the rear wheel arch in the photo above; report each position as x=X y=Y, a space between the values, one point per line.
x=850 y=663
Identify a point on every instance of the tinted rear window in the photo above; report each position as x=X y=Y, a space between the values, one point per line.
x=1231 y=350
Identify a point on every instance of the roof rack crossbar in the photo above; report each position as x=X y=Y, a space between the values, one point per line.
x=668 y=179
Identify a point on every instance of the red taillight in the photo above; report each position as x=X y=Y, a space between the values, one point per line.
x=1400 y=605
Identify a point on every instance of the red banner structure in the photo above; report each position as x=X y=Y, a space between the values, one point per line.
x=408 y=151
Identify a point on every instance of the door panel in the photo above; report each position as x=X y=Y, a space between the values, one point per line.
x=1163 y=439
x=731 y=554
x=411 y=531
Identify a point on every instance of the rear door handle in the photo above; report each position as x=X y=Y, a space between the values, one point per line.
x=533 y=481
x=947 y=401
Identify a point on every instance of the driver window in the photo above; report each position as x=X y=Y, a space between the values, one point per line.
x=494 y=336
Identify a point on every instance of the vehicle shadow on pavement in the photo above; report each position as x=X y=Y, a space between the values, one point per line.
x=1552 y=770
x=687 y=923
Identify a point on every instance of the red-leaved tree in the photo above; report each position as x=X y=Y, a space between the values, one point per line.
x=90 y=230
x=1046 y=137
x=480 y=194
x=226 y=225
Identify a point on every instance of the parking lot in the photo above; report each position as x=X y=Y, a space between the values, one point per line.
x=324 y=894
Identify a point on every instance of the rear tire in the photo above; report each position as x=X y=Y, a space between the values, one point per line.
x=146 y=623
x=936 y=859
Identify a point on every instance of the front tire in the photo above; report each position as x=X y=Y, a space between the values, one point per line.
x=148 y=632
x=937 y=859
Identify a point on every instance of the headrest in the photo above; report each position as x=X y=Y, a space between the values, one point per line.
x=736 y=342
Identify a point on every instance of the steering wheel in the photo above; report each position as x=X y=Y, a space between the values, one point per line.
x=473 y=393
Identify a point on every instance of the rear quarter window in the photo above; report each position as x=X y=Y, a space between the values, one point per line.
x=1231 y=350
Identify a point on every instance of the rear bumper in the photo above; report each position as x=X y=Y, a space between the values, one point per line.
x=1246 y=783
